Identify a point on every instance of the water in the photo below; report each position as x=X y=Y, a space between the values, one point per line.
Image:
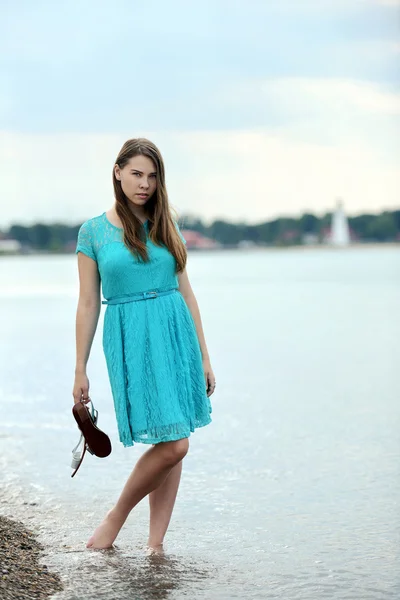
x=292 y=492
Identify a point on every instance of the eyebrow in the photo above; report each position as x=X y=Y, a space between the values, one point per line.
x=141 y=172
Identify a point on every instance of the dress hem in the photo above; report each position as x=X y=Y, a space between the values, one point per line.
x=169 y=438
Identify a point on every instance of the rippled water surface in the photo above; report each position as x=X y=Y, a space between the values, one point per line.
x=292 y=492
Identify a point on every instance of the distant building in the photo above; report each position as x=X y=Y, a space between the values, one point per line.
x=70 y=246
x=194 y=239
x=246 y=244
x=339 y=234
x=289 y=235
x=310 y=239
x=10 y=246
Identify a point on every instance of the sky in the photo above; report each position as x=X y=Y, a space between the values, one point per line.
x=260 y=108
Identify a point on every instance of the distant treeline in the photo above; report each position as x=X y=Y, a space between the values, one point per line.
x=384 y=227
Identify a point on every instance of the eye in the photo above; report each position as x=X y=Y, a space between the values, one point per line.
x=153 y=175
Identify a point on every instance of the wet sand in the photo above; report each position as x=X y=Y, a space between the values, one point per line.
x=23 y=575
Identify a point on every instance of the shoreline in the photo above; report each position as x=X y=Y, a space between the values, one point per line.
x=23 y=574
x=227 y=248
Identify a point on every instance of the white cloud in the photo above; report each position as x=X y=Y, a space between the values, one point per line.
x=388 y=2
x=341 y=94
x=324 y=6
x=300 y=95
x=333 y=112
x=272 y=174
x=335 y=138
x=237 y=175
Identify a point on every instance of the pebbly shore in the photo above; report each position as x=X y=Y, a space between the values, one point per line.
x=22 y=575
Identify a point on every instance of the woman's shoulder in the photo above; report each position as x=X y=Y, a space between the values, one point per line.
x=91 y=229
x=90 y=234
x=94 y=228
x=93 y=222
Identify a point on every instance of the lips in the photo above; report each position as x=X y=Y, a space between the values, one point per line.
x=142 y=195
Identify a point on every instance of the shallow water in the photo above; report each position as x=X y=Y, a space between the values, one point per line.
x=293 y=490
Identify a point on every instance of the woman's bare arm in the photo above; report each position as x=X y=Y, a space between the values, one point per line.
x=186 y=290
x=87 y=316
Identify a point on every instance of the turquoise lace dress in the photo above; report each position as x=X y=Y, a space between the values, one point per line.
x=151 y=346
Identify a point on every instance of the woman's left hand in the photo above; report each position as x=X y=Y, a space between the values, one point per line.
x=209 y=377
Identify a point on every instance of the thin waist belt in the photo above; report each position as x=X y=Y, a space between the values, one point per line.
x=139 y=296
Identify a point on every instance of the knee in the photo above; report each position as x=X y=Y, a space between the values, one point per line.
x=173 y=452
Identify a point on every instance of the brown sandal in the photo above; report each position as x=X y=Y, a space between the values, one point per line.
x=95 y=441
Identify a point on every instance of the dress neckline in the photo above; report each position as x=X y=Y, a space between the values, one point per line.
x=144 y=223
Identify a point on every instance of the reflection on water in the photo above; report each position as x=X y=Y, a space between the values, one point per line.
x=292 y=492
x=149 y=578
x=155 y=577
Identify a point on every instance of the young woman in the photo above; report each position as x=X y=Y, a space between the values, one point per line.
x=157 y=359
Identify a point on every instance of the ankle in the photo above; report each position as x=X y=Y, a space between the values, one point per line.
x=154 y=543
x=155 y=550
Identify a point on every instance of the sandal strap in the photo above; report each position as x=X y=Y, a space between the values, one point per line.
x=78 y=444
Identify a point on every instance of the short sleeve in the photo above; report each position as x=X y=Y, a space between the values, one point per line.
x=85 y=241
x=180 y=234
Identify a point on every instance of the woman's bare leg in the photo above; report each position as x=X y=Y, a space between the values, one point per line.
x=162 y=501
x=150 y=471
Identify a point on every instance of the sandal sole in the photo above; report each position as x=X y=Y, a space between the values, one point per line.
x=98 y=442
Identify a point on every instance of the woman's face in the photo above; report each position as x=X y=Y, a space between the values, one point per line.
x=138 y=179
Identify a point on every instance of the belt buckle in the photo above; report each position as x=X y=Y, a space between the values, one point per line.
x=151 y=294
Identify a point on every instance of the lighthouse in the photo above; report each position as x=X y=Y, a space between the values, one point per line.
x=340 y=233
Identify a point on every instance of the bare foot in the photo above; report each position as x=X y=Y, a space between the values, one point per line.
x=151 y=550
x=105 y=533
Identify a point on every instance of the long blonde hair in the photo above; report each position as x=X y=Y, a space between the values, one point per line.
x=162 y=229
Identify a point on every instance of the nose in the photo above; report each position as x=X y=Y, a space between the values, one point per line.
x=144 y=183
